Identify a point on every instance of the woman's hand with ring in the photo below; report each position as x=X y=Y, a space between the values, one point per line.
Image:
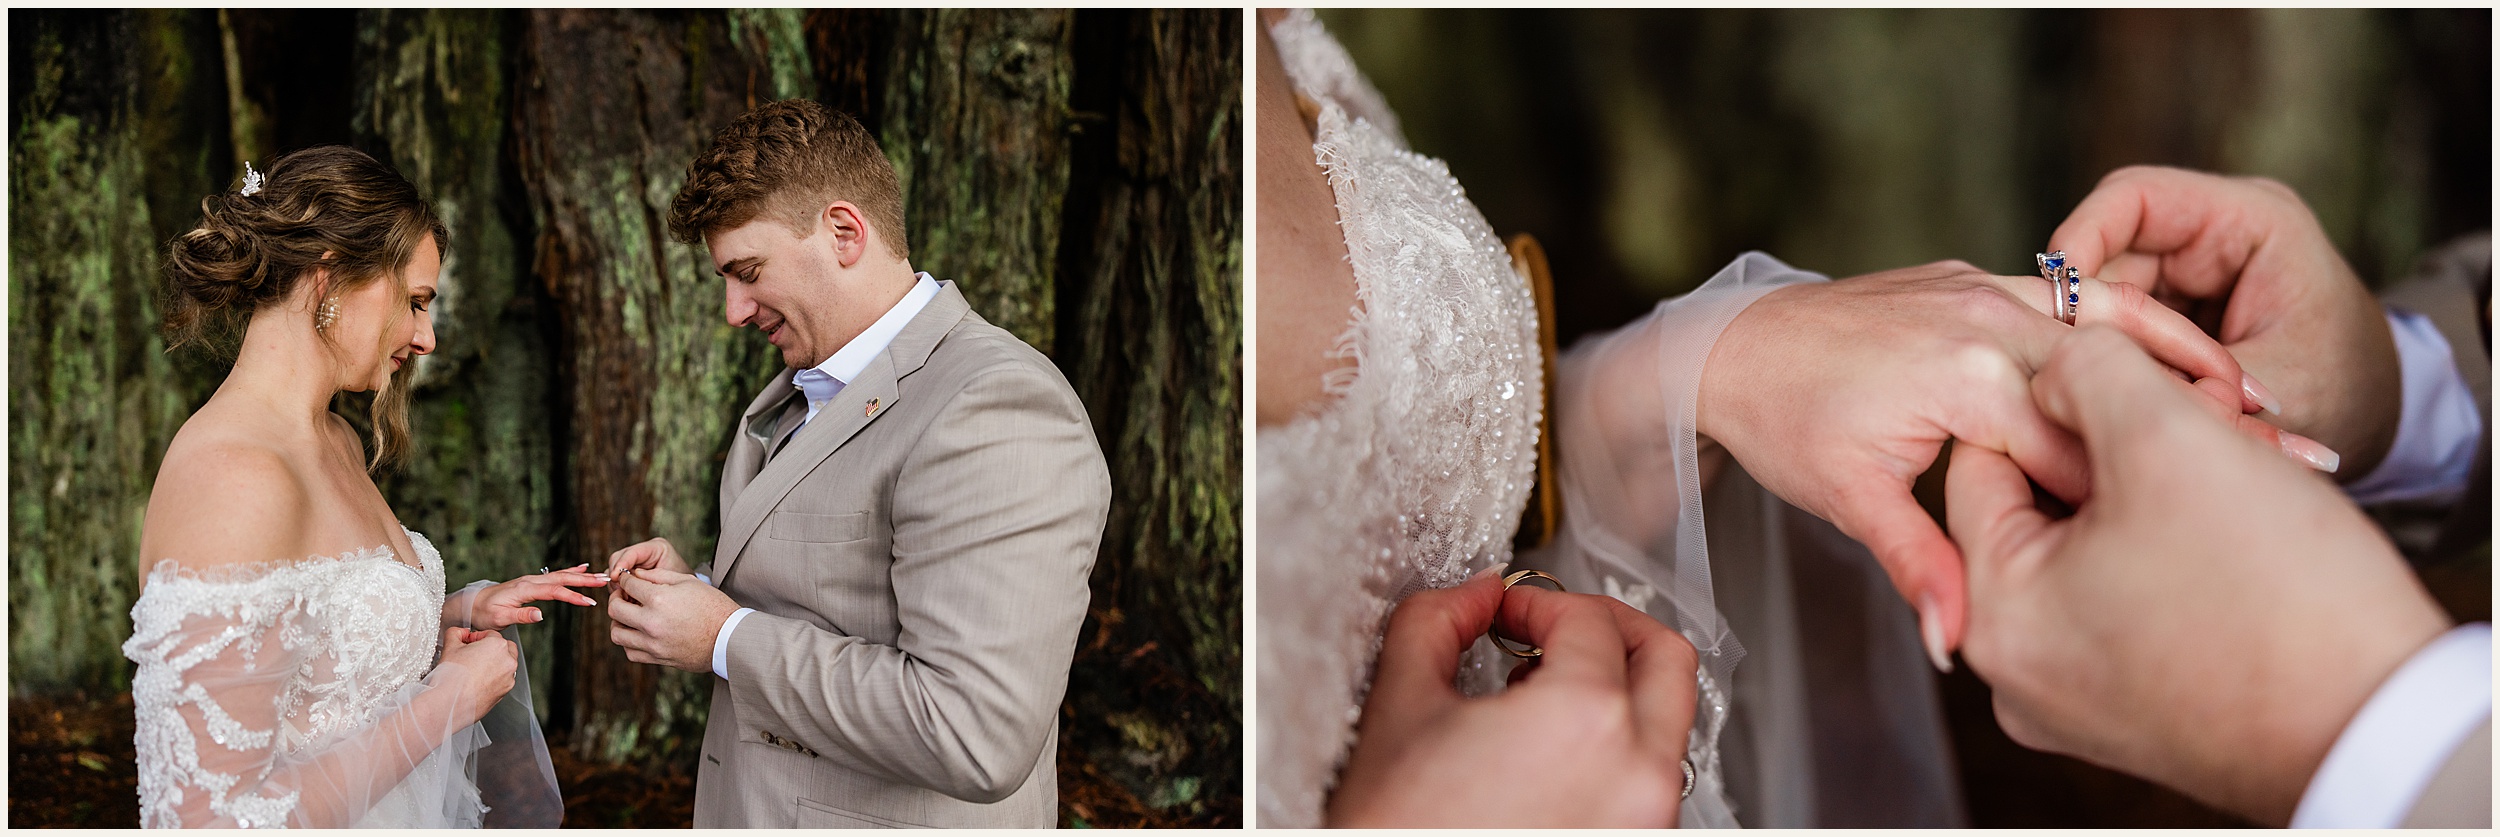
x=1836 y=396
x=503 y=605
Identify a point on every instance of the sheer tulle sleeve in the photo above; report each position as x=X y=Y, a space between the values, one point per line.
x=1630 y=470
x=220 y=664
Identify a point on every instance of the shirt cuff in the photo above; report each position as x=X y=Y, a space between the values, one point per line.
x=2396 y=745
x=720 y=644
x=2438 y=433
x=707 y=580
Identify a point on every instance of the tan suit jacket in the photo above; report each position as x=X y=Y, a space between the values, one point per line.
x=917 y=556
x=2459 y=795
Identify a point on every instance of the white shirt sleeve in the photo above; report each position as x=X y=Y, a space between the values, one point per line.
x=2403 y=735
x=2440 y=430
x=720 y=644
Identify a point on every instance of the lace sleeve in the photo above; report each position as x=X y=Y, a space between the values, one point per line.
x=229 y=680
x=1629 y=467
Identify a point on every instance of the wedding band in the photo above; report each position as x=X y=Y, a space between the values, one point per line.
x=2069 y=297
x=1495 y=632
x=542 y=570
x=1688 y=780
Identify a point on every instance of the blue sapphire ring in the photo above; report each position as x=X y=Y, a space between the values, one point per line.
x=2051 y=264
x=2065 y=285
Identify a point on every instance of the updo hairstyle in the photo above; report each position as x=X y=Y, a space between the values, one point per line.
x=250 y=251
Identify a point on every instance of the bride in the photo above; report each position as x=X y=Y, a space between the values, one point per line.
x=1403 y=427
x=287 y=627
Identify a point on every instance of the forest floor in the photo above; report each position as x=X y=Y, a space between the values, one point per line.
x=72 y=764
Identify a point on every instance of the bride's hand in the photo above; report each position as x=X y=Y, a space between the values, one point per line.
x=485 y=664
x=1593 y=735
x=503 y=605
x=1836 y=396
x=655 y=553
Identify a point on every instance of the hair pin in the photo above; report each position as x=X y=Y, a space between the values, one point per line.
x=251 y=180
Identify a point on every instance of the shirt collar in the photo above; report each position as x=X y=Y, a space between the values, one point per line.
x=852 y=359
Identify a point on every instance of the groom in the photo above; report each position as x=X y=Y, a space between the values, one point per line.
x=908 y=515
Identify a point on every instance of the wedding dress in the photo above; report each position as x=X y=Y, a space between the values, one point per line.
x=289 y=695
x=1415 y=474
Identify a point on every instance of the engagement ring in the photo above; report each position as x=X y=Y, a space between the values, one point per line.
x=2065 y=285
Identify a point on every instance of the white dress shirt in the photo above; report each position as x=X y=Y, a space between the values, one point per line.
x=2439 y=431
x=821 y=383
x=2398 y=741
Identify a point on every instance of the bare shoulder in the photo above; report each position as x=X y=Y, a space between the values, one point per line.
x=224 y=497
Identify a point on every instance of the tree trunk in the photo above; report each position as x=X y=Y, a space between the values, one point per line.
x=93 y=151
x=1151 y=338
x=974 y=119
x=611 y=107
x=432 y=102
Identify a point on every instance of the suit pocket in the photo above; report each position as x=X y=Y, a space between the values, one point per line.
x=814 y=814
x=816 y=528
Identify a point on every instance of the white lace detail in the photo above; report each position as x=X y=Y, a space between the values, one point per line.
x=328 y=643
x=1321 y=69
x=1415 y=476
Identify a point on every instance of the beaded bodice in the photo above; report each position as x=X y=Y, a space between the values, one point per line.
x=1415 y=474
x=324 y=644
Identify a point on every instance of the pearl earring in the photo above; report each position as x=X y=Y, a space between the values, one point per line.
x=327 y=316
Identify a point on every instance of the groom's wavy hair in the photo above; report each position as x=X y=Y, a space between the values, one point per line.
x=327 y=210
x=788 y=160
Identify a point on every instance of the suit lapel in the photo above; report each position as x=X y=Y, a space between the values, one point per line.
x=860 y=403
x=755 y=427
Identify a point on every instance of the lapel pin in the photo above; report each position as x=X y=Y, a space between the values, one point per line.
x=872 y=409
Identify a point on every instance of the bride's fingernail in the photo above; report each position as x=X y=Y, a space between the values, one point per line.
x=2257 y=392
x=2308 y=451
x=1931 y=629
x=1488 y=571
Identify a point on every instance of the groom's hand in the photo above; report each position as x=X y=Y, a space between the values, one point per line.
x=2209 y=619
x=667 y=618
x=2249 y=261
x=655 y=553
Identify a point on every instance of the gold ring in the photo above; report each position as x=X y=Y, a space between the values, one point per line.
x=1495 y=632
